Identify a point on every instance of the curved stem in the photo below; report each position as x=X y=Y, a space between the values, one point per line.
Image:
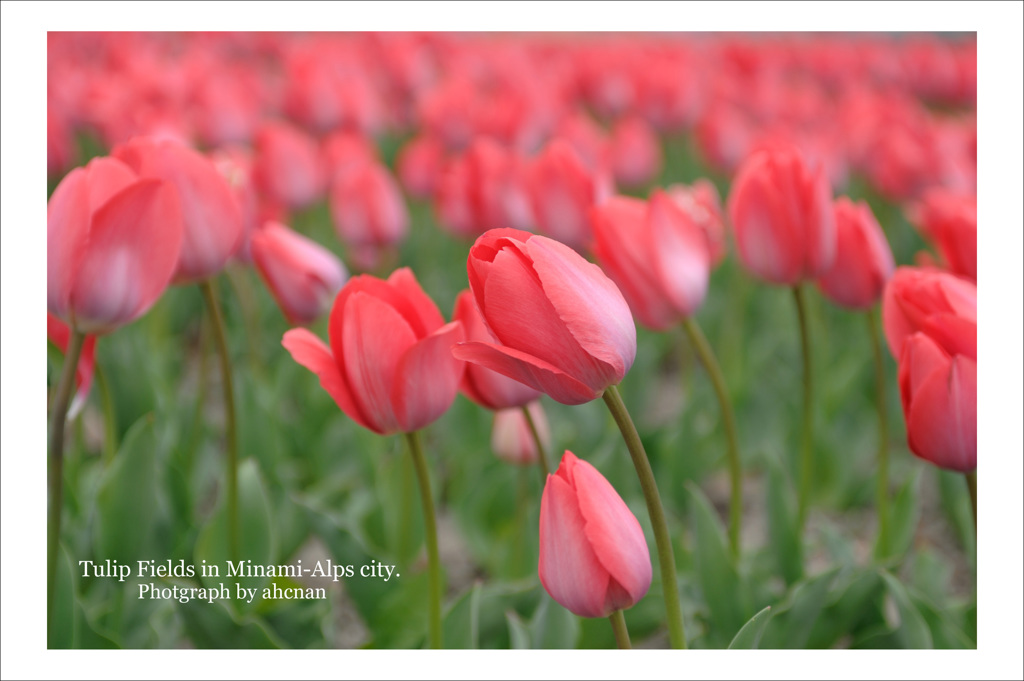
x=807 y=438
x=707 y=358
x=666 y=558
x=972 y=487
x=542 y=456
x=109 y=417
x=58 y=414
x=882 y=492
x=621 y=632
x=231 y=460
x=430 y=526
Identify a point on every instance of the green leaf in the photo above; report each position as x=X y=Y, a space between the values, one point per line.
x=956 y=503
x=945 y=634
x=904 y=515
x=255 y=539
x=783 y=528
x=518 y=632
x=851 y=602
x=552 y=626
x=749 y=636
x=462 y=622
x=798 y=614
x=214 y=625
x=126 y=502
x=912 y=631
x=716 y=573
x=61 y=626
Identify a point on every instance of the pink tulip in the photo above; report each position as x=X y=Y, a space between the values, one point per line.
x=950 y=221
x=235 y=166
x=485 y=387
x=419 y=165
x=511 y=437
x=346 y=151
x=782 y=219
x=562 y=326
x=303 y=275
x=112 y=245
x=211 y=216
x=635 y=152
x=863 y=261
x=562 y=192
x=287 y=165
x=656 y=255
x=369 y=212
x=60 y=335
x=389 y=366
x=701 y=202
x=594 y=559
x=939 y=390
x=915 y=298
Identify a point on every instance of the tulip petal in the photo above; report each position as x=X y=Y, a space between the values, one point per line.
x=403 y=281
x=375 y=338
x=679 y=254
x=130 y=256
x=613 y=532
x=527 y=369
x=427 y=378
x=67 y=227
x=568 y=567
x=588 y=303
x=313 y=353
x=942 y=424
x=106 y=177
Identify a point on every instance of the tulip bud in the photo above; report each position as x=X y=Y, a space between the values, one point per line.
x=939 y=392
x=511 y=437
x=369 y=212
x=211 y=216
x=419 y=165
x=389 y=365
x=303 y=275
x=655 y=254
x=915 y=297
x=562 y=192
x=593 y=556
x=287 y=166
x=782 y=219
x=112 y=245
x=635 y=152
x=563 y=326
x=863 y=261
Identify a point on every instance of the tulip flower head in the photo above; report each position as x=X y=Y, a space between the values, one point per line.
x=950 y=221
x=915 y=298
x=701 y=202
x=113 y=241
x=863 y=261
x=562 y=326
x=389 y=365
x=369 y=212
x=511 y=438
x=594 y=559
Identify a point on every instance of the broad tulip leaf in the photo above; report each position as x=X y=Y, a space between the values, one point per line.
x=904 y=514
x=749 y=636
x=518 y=632
x=783 y=528
x=552 y=626
x=126 y=502
x=716 y=573
x=912 y=631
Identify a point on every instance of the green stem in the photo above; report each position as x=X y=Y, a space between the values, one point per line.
x=707 y=358
x=882 y=492
x=807 y=438
x=621 y=632
x=430 y=525
x=542 y=456
x=231 y=460
x=666 y=558
x=109 y=417
x=58 y=414
x=972 y=487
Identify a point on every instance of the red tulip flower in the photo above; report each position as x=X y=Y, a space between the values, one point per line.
x=782 y=218
x=287 y=165
x=511 y=438
x=938 y=376
x=656 y=255
x=60 y=335
x=562 y=326
x=303 y=275
x=701 y=202
x=916 y=298
x=419 y=165
x=211 y=215
x=369 y=212
x=863 y=261
x=635 y=152
x=389 y=365
x=344 y=151
x=593 y=556
x=112 y=244
x=562 y=192
x=950 y=221
x=485 y=387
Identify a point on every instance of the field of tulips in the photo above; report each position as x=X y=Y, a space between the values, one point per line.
x=512 y=341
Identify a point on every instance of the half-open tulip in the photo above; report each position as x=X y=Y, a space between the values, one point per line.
x=863 y=261
x=112 y=245
x=210 y=213
x=303 y=275
x=938 y=376
x=485 y=387
x=656 y=255
x=59 y=334
x=511 y=437
x=562 y=326
x=782 y=219
x=916 y=297
x=389 y=365
x=593 y=556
